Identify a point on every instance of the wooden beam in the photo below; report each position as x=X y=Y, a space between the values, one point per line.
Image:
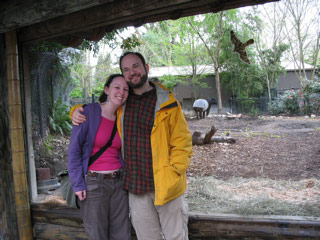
x=8 y=222
x=58 y=232
x=253 y=227
x=17 y=139
x=33 y=191
x=61 y=221
x=20 y=13
x=122 y=13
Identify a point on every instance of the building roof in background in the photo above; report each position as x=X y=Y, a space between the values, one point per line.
x=291 y=66
x=178 y=71
x=204 y=69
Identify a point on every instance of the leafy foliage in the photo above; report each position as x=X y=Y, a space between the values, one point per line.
x=59 y=120
x=98 y=88
x=131 y=42
x=310 y=94
x=76 y=93
x=292 y=102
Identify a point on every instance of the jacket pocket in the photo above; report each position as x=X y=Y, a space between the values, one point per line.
x=173 y=184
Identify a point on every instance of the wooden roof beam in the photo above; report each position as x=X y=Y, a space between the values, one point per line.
x=123 y=13
x=15 y=14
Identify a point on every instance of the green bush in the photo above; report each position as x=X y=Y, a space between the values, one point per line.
x=76 y=93
x=248 y=105
x=254 y=112
x=59 y=120
x=310 y=96
x=276 y=107
x=98 y=88
x=307 y=100
x=290 y=101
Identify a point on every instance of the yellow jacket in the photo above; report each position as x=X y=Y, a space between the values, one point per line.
x=171 y=146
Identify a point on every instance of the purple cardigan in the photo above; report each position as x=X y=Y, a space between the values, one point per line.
x=81 y=144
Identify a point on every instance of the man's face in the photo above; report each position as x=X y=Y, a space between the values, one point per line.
x=134 y=72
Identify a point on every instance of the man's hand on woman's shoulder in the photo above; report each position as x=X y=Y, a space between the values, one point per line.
x=76 y=116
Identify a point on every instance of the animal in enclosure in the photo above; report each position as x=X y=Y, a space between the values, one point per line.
x=200 y=107
x=211 y=101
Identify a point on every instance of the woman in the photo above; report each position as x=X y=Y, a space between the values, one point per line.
x=103 y=202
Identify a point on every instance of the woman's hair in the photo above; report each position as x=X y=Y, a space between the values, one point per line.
x=103 y=97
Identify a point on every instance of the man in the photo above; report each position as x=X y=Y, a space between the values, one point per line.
x=156 y=148
x=200 y=106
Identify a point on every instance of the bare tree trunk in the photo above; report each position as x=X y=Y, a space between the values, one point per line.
x=315 y=56
x=302 y=18
x=216 y=63
x=217 y=78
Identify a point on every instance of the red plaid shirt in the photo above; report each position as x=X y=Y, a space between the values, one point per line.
x=137 y=127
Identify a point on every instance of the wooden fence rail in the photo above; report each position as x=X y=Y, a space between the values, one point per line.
x=63 y=223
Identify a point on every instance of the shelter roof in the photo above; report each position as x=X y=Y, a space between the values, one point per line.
x=69 y=22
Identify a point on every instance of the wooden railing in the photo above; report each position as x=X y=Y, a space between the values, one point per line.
x=63 y=223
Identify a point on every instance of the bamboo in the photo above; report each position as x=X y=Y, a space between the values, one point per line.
x=17 y=139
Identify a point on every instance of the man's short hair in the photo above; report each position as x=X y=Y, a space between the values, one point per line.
x=139 y=55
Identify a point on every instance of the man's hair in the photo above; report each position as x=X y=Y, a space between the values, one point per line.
x=139 y=55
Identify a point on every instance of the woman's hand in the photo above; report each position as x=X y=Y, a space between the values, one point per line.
x=82 y=195
x=77 y=117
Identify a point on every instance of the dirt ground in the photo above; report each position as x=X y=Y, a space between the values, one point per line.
x=273 y=168
x=269 y=147
x=280 y=148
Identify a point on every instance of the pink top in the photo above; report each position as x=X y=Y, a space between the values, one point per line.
x=109 y=160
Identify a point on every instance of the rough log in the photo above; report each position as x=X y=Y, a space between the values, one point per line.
x=199 y=138
x=233 y=116
x=66 y=224
x=209 y=135
x=223 y=140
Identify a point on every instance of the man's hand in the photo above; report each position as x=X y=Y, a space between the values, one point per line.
x=77 y=117
x=82 y=195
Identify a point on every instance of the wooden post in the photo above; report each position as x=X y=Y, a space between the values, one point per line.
x=33 y=192
x=8 y=220
x=17 y=139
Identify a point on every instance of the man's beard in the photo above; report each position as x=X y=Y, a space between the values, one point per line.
x=142 y=81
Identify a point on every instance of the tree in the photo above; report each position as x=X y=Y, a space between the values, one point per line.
x=171 y=43
x=158 y=43
x=302 y=16
x=103 y=68
x=212 y=30
x=190 y=52
x=212 y=50
x=270 y=49
x=81 y=73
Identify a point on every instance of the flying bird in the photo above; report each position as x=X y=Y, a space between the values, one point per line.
x=240 y=47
